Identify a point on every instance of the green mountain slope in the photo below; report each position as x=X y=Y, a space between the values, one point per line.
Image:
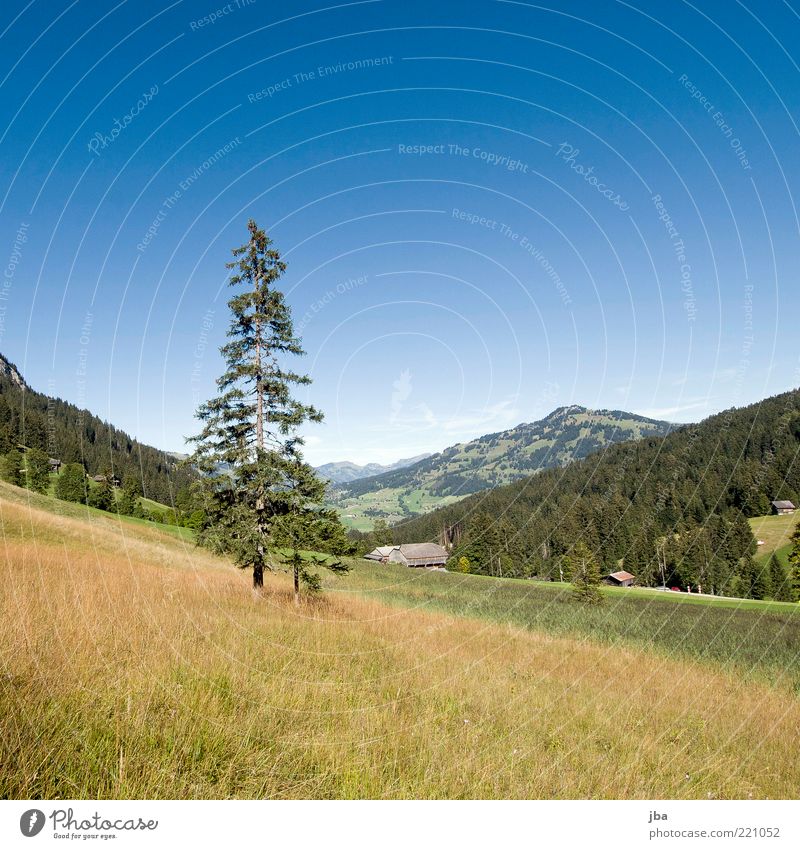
x=668 y=508
x=567 y=434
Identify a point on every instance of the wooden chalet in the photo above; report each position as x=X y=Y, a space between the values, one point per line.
x=620 y=579
x=782 y=508
x=427 y=555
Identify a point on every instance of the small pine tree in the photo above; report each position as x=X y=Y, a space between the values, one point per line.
x=585 y=574
x=303 y=568
x=11 y=468
x=760 y=586
x=37 y=470
x=129 y=496
x=101 y=496
x=381 y=533
x=463 y=565
x=71 y=483
x=781 y=586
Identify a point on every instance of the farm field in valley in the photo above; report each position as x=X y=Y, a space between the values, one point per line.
x=389 y=504
x=157 y=673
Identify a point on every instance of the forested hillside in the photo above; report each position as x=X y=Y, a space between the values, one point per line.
x=72 y=435
x=670 y=509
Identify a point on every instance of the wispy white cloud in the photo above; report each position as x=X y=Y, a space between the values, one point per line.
x=675 y=410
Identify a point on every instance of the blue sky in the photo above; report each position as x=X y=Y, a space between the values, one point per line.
x=488 y=209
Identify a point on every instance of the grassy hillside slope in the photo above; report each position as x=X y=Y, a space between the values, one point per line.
x=775 y=532
x=51 y=504
x=567 y=434
x=756 y=639
x=156 y=672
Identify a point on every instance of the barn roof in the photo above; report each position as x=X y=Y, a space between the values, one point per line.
x=422 y=554
x=783 y=505
x=422 y=551
x=621 y=576
x=380 y=552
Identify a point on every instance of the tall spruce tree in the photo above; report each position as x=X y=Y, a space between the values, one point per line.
x=261 y=498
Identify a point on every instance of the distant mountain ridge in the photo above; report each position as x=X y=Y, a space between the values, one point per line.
x=568 y=433
x=345 y=471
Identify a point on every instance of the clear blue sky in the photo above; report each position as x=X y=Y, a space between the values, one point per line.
x=489 y=209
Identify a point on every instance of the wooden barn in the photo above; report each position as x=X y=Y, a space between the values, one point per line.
x=619 y=579
x=782 y=508
x=413 y=554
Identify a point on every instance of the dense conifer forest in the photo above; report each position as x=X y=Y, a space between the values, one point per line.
x=67 y=433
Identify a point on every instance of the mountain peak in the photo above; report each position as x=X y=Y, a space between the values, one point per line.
x=9 y=370
x=567 y=410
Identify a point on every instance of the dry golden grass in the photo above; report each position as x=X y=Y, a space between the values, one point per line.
x=132 y=666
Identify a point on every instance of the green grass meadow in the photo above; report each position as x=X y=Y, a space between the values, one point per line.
x=755 y=638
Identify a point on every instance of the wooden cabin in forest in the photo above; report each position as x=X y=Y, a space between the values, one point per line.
x=620 y=579
x=782 y=508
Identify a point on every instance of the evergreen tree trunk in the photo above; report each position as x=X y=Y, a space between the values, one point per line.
x=258 y=582
x=296 y=584
x=259 y=385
